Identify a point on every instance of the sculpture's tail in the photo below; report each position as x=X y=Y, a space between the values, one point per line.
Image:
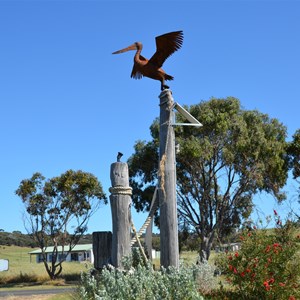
x=168 y=77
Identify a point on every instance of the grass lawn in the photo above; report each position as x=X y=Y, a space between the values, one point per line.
x=20 y=264
x=188 y=258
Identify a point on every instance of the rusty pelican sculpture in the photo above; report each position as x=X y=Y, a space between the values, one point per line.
x=166 y=45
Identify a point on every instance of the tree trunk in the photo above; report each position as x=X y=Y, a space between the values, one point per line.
x=205 y=246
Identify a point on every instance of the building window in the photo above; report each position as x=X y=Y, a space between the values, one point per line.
x=74 y=256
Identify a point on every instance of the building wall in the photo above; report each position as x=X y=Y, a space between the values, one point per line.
x=73 y=256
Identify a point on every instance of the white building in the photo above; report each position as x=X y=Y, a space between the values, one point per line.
x=228 y=247
x=79 y=253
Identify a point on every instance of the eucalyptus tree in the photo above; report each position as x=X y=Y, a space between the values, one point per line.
x=220 y=167
x=294 y=154
x=58 y=211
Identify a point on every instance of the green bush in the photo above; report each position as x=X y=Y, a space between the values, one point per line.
x=142 y=282
x=268 y=264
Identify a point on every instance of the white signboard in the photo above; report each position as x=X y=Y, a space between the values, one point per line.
x=3 y=265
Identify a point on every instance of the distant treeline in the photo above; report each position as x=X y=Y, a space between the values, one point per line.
x=187 y=241
x=17 y=238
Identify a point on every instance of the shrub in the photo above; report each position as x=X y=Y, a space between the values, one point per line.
x=206 y=279
x=267 y=266
x=141 y=282
x=21 y=278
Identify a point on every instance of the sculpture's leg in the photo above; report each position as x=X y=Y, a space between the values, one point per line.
x=163 y=85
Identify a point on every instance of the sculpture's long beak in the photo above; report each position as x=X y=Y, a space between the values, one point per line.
x=132 y=47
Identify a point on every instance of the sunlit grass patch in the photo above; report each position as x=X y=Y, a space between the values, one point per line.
x=24 y=269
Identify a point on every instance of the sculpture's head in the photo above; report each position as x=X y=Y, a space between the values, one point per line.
x=135 y=46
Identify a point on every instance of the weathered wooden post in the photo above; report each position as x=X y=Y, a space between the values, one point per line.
x=102 y=248
x=148 y=239
x=167 y=184
x=120 y=201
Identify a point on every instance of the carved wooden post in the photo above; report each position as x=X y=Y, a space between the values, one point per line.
x=120 y=201
x=167 y=184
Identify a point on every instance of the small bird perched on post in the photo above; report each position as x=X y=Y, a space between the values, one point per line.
x=119 y=156
x=166 y=45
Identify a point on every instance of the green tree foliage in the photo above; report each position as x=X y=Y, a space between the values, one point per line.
x=220 y=167
x=294 y=152
x=17 y=239
x=58 y=210
x=294 y=155
x=25 y=240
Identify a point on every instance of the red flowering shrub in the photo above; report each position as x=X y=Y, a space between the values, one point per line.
x=268 y=264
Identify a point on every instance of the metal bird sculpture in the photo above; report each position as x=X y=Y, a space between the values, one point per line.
x=166 y=45
x=119 y=156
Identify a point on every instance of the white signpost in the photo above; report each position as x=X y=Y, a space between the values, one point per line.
x=3 y=265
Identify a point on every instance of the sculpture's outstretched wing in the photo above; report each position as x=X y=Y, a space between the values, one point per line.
x=166 y=45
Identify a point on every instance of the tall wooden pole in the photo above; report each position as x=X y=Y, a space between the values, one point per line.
x=120 y=201
x=167 y=184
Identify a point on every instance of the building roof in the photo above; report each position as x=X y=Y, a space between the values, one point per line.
x=77 y=248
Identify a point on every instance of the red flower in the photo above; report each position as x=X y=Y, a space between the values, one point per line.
x=243 y=274
x=292 y=298
x=276 y=248
x=235 y=271
x=268 y=248
x=271 y=281
x=236 y=254
x=230 y=257
x=267 y=287
x=281 y=284
x=230 y=267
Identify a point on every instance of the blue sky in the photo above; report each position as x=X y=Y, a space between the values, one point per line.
x=67 y=103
